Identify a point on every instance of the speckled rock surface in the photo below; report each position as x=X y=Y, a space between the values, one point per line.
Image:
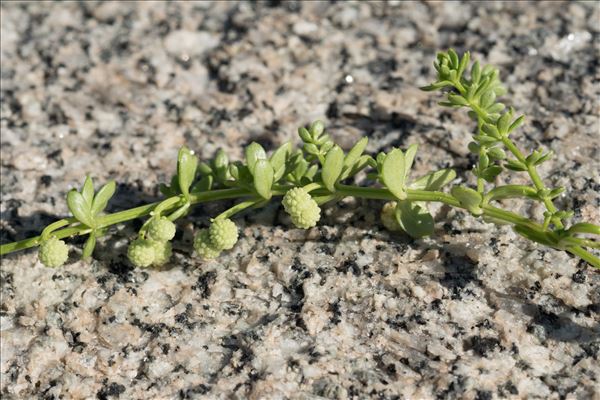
x=344 y=310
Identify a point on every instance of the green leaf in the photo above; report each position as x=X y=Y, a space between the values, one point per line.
x=496 y=108
x=204 y=168
x=393 y=173
x=544 y=158
x=515 y=165
x=102 y=197
x=221 y=159
x=263 y=178
x=311 y=148
x=464 y=62
x=453 y=58
x=311 y=172
x=316 y=129
x=491 y=172
x=414 y=219
x=409 y=158
x=487 y=99
x=187 y=163
x=254 y=152
x=88 y=248
x=332 y=168
x=503 y=123
x=512 y=191
x=468 y=198
x=475 y=72
x=535 y=236
x=556 y=192
x=491 y=130
x=585 y=227
x=278 y=159
x=204 y=184
x=436 y=86
x=355 y=153
x=496 y=153
x=362 y=163
x=245 y=177
x=516 y=123
x=79 y=208
x=435 y=180
x=380 y=159
x=87 y=191
x=457 y=100
x=300 y=169
x=304 y=135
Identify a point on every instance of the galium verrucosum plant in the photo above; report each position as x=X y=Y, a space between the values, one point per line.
x=321 y=172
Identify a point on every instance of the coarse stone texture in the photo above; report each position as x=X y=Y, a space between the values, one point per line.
x=345 y=310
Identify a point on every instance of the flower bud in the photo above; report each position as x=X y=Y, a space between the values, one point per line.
x=204 y=246
x=141 y=252
x=162 y=252
x=161 y=229
x=53 y=252
x=223 y=234
x=302 y=208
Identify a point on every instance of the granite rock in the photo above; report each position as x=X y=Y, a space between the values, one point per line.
x=345 y=310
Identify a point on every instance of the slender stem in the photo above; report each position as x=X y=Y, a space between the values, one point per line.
x=237 y=208
x=531 y=170
x=341 y=191
x=488 y=210
x=122 y=216
x=585 y=255
x=533 y=174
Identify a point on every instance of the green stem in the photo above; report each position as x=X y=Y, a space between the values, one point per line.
x=488 y=210
x=585 y=255
x=237 y=208
x=122 y=216
x=535 y=178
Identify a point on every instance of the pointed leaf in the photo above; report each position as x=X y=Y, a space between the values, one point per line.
x=435 y=180
x=436 y=86
x=515 y=165
x=332 y=168
x=363 y=162
x=88 y=248
x=512 y=191
x=301 y=167
x=254 y=152
x=79 y=208
x=204 y=184
x=409 y=158
x=187 y=163
x=516 y=123
x=311 y=172
x=278 y=159
x=585 y=227
x=355 y=153
x=393 y=173
x=263 y=178
x=491 y=172
x=304 y=135
x=221 y=159
x=87 y=191
x=534 y=236
x=102 y=197
x=414 y=219
x=204 y=168
x=468 y=198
